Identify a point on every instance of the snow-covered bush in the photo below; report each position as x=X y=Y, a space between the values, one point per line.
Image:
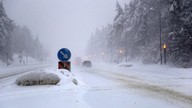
x=38 y=78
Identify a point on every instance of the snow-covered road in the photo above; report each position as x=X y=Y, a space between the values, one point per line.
x=97 y=88
x=133 y=91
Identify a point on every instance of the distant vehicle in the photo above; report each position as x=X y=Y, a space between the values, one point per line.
x=78 y=61
x=87 y=63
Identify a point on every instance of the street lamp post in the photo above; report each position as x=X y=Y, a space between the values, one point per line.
x=164 y=48
x=120 y=54
x=120 y=51
x=103 y=54
x=160 y=37
x=26 y=59
x=7 y=59
x=160 y=43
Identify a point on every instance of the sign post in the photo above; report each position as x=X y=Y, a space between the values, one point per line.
x=64 y=55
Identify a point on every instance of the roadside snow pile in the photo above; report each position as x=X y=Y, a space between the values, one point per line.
x=66 y=77
x=37 y=78
x=126 y=64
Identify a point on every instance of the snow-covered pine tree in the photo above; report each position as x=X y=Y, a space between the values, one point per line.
x=115 y=40
x=6 y=26
x=137 y=29
x=97 y=45
x=180 y=36
x=118 y=23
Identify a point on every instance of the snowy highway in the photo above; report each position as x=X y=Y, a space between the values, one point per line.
x=102 y=86
x=96 y=54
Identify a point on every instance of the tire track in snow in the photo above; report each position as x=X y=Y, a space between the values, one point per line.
x=133 y=82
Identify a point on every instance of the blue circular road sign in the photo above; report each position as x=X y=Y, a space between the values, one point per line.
x=64 y=54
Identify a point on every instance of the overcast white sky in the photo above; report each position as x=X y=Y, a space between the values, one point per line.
x=62 y=23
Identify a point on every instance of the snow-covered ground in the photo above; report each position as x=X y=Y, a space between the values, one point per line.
x=18 y=61
x=177 y=79
x=19 y=65
x=14 y=70
x=104 y=85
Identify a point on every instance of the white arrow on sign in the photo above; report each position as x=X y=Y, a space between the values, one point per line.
x=64 y=55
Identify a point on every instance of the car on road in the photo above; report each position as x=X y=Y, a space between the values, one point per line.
x=87 y=63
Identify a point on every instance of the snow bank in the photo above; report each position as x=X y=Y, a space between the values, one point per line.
x=66 y=77
x=125 y=64
x=38 y=78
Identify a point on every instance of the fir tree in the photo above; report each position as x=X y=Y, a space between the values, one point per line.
x=6 y=26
